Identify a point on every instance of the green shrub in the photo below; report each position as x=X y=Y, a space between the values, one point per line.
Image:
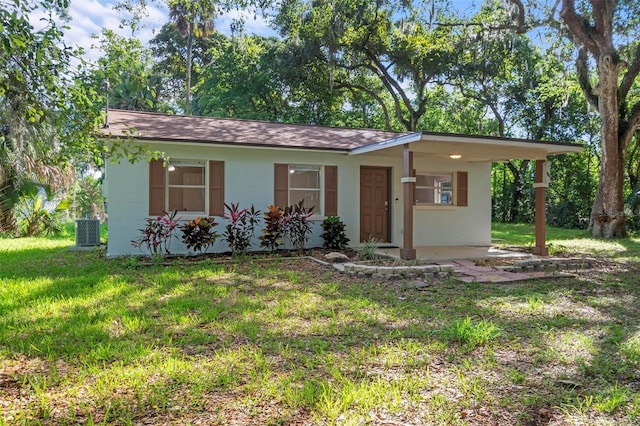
x=367 y=249
x=241 y=228
x=35 y=219
x=333 y=234
x=157 y=234
x=273 y=231
x=296 y=225
x=198 y=234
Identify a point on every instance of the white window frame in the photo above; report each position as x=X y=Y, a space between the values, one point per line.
x=317 y=210
x=204 y=186
x=452 y=203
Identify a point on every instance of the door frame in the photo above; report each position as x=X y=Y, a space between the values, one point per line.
x=388 y=171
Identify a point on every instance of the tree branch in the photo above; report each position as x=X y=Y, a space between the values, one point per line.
x=487 y=102
x=630 y=75
x=520 y=13
x=482 y=26
x=603 y=17
x=632 y=124
x=579 y=27
x=395 y=89
x=353 y=87
x=582 y=68
x=387 y=76
x=396 y=101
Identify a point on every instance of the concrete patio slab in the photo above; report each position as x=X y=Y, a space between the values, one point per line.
x=440 y=253
x=459 y=263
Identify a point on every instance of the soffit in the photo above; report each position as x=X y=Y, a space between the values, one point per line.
x=472 y=148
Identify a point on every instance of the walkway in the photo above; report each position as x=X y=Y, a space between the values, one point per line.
x=517 y=266
x=467 y=271
x=436 y=253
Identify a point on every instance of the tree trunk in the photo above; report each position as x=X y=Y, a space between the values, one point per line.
x=8 y=221
x=607 y=213
x=595 y=33
x=515 y=215
x=187 y=96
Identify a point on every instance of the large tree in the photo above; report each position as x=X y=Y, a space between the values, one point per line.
x=169 y=49
x=44 y=115
x=243 y=80
x=192 y=19
x=391 y=40
x=128 y=67
x=605 y=34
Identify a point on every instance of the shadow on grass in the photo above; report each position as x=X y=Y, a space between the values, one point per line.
x=567 y=241
x=287 y=322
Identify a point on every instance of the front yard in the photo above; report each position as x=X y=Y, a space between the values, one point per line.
x=89 y=340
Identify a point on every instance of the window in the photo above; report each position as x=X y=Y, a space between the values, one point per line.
x=442 y=189
x=316 y=186
x=304 y=185
x=186 y=187
x=434 y=189
x=194 y=187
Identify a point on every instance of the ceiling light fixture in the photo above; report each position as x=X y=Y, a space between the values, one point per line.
x=455 y=156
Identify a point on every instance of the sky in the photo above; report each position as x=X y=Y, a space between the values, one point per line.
x=89 y=17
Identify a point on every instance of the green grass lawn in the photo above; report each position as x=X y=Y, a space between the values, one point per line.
x=567 y=240
x=89 y=340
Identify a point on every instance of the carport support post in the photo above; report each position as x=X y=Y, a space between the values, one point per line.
x=540 y=186
x=407 y=251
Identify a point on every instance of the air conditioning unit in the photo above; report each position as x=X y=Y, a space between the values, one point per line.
x=87 y=233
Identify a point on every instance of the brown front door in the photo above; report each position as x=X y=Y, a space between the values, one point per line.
x=375 y=203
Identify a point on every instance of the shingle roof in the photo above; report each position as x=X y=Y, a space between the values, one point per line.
x=161 y=127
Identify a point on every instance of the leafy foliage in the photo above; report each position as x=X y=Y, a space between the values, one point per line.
x=241 y=227
x=296 y=225
x=353 y=44
x=34 y=218
x=367 y=249
x=198 y=234
x=334 y=234
x=47 y=113
x=127 y=65
x=88 y=196
x=156 y=236
x=192 y=19
x=273 y=231
x=169 y=48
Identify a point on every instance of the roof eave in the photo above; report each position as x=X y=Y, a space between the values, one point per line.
x=548 y=148
x=227 y=144
x=389 y=143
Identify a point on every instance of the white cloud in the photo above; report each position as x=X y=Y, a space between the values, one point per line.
x=89 y=17
x=253 y=24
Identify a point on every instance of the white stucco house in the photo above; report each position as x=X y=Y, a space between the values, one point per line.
x=403 y=189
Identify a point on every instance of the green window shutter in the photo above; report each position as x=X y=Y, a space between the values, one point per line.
x=216 y=188
x=157 y=183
